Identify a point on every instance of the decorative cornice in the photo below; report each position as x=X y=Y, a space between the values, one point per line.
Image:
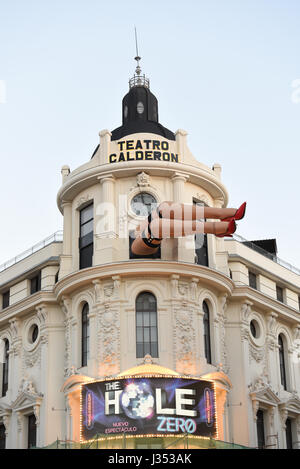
x=27 y=305
x=265 y=302
x=203 y=176
x=131 y=268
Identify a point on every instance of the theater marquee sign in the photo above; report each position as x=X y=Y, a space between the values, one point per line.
x=148 y=406
x=132 y=150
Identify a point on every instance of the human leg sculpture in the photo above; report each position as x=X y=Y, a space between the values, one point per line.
x=173 y=220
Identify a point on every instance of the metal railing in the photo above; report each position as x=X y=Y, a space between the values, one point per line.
x=267 y=254
x=139 y=80
x=56 y=237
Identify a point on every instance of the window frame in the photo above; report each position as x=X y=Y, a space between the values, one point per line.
x=31 y=431
x=85 y=334
x=252 y=280
x=5 y=369
x=279 y=293
x=145 y=327
x=204 y=248
x=86 y=241
x=282 y=362
x=207 y=332
x=260 y=431
x=2 y=436
x=6 y=299
x=35 y=283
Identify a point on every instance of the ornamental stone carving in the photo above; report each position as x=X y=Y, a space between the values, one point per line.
x=193 y=288
x=66 y=307
x=98 y=291
x=256 y=353
x=271 y=322
x=27 y=386
x=83 y=200
x=221 y=320
x=174 y=285
x=16 y=343
x=284 y=415
x=143 y=180
x=32 y=358
x=109 y=342
x=6 y=422
x=203 y=198
x=245 y=314
x=183 y=289
x=184 y=341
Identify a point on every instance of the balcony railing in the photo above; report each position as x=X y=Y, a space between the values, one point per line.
x=267 y=254
x=56 y=237
x=139 y=80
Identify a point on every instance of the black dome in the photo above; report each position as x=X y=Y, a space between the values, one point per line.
x=140 y=114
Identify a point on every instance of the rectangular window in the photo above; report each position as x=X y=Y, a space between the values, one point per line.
x=279 y=293
x=2 y=437
x=86 y=237
x=201 y=249
x=5 y=299
x=288 y=434
x=31 y=431
x=35 y=283
x=252 y=280
x=299 y=303
x=260 y=427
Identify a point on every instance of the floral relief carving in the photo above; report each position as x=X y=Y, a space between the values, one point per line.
x=66 y=307
x=184 y=341
x=256 y=353
x=109 y=341
x=143 y=179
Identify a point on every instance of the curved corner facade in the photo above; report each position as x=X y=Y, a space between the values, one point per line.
x=85 y=309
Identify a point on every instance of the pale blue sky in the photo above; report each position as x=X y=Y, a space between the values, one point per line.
x=221 y=69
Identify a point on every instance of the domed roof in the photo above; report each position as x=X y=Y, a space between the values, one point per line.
x=148 y=369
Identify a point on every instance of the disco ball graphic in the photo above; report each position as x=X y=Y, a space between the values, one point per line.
x=138 y=401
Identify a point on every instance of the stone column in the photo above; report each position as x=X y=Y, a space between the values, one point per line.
x=186 y=245
x=66 y=257
x=105 y=221
x=105 y=140
x=92 y=362
x=218 y=256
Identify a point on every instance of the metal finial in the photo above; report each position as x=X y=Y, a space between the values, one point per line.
x=137 y=57
x=138 y=79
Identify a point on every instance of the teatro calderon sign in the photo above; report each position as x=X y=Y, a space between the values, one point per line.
x=132 y=150
x=148 y=406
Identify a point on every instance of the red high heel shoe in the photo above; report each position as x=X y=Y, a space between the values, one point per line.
x=239 y=214
x=231 y=229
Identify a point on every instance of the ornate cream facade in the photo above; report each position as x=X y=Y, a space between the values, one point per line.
x=44 y=374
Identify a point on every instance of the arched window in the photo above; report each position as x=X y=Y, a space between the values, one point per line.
x=146 y=325
x=206 y=328
x=85 y=335
x=5 y=367
x=282 y=362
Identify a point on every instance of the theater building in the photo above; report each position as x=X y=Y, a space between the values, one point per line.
x=94 y=339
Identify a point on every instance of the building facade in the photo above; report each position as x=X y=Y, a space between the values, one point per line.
x=80 y=307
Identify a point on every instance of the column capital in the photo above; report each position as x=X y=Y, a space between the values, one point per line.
x=106 y=178
x=179 y=177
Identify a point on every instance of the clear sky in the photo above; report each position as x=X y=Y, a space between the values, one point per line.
x=224 y=70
